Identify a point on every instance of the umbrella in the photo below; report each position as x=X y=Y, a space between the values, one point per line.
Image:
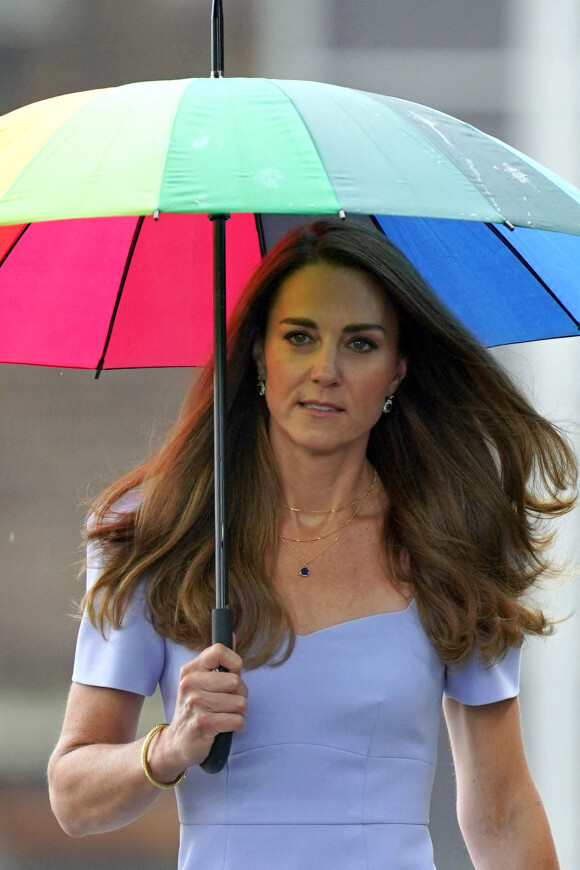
x=106 y=254
x=494 y=233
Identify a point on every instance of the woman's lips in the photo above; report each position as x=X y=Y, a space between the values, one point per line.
x=321 y=407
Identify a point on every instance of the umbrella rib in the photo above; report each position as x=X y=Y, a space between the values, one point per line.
x=130 y=254
x=13 y=245
x=261 y=235
x=532 y=272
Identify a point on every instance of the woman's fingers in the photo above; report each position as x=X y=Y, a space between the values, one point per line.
x=217 y=656
x=202 y=672
x=213 y=682
x=213 y=696
x=209 y=723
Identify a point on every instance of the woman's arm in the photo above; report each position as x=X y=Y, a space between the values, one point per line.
x=500 y=812
x=94 y=775
x=96 y=780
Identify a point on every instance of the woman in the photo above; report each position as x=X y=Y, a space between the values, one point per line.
x=387 y=489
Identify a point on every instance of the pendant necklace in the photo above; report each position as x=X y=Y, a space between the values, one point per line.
x=305 y=569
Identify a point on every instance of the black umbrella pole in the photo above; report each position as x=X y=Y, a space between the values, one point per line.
x=219 y=407
x=221 y=617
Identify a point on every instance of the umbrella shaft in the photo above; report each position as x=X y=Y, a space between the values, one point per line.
x=221 y=615
x=219 y=302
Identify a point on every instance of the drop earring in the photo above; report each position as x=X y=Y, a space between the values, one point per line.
x=388 y=404
x=261 y=386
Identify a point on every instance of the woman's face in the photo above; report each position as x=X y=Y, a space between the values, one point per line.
x=329 y=358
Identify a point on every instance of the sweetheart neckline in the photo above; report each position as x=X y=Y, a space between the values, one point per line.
x=407 y=609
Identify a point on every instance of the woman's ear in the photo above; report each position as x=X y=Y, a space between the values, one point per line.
x=258 y=355
x=400 y=372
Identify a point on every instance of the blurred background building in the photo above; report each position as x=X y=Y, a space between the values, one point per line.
x=510 y=67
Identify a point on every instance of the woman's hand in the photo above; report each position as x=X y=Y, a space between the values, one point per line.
x=209 y=702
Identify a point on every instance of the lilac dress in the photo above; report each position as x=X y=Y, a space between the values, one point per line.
x=335 y=766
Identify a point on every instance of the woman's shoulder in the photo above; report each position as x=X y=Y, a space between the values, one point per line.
x=476 y=682
x=125 y=504
x=102 y=526
x=128 y=502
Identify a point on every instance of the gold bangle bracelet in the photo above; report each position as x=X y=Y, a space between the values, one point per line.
x=145 y=763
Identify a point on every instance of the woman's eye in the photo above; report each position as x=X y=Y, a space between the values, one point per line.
x=298 y=339
x=362 y=345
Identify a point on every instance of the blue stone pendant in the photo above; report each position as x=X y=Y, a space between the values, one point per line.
x=304 y=571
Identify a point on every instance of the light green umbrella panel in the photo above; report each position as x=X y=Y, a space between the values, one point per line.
x=258 y=145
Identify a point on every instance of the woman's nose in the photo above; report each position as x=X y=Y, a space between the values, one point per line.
x=325 y=367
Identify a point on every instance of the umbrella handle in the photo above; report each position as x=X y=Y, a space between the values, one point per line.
x=218 y=756
x=221 y=632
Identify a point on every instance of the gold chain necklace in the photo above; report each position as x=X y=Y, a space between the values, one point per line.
x=305 y=570
x=333 y=510
x=360 y=499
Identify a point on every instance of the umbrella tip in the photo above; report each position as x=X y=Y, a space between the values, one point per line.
x=217 y=40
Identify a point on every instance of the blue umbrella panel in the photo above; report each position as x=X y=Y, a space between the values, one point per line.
x=506 y=285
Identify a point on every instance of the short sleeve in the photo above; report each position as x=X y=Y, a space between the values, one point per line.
x=475 y=682
x=131 y=658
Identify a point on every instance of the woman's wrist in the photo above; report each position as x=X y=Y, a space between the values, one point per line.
x=155 y=773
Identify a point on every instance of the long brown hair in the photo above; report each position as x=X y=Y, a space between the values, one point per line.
x=471 y=469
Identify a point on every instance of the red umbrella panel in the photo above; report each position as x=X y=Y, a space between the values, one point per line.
x=126 y=292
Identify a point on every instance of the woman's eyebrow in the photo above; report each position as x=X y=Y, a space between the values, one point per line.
x=351 y=327
x=362 y=327
x=300 y=321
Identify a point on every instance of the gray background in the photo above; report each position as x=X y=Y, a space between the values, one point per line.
x=508 y=66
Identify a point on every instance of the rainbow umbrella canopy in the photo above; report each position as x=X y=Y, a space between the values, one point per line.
x=105 y=247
